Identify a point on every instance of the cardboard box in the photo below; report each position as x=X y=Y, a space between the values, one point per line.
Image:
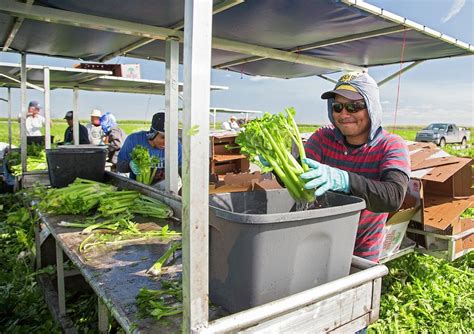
x=397 y=223
x=243 y=182
x=225 y=155
x=395 y=229
x=129 y=71
x=468 y=241
x=446 y=187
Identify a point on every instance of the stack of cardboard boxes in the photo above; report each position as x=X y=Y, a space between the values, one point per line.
x=447 y=193
x=440 y=190
x=225 y=156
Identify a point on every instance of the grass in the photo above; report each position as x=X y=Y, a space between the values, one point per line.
x=130 y=126
x=58 y=128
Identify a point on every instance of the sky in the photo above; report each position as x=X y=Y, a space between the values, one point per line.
x=434 y=91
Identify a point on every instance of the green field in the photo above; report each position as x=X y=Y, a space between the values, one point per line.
x=59 y=126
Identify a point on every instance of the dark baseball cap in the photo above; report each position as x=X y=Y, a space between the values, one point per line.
x=69 y=115
x=157 y=125
x=34 y=104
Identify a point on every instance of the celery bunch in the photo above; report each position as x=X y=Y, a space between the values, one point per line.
x=161 y=303
x=36 y=160
x=116 y=223
x=79 y=197
x=117 y=202
x=133 y=202
x=122 y=234
x=151 y=207
x=270 y=137
x=147 y=164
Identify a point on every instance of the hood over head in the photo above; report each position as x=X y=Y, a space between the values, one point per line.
x=354 y=85
x=107 y=122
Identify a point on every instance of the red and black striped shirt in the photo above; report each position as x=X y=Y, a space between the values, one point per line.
x=370 y=162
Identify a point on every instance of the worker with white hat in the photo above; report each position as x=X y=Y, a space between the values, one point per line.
x=231 y=125
x=96 y=134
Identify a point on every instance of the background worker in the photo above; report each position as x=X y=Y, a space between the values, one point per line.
x=356 y=156
x=34 y=121
x=114 y=136
x=96 y=134
x=231 y=125
x=154 y=141
x=69 y=134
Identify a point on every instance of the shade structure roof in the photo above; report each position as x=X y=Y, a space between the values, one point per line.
x=235 y=111
x=84 y=79
x=278 y=38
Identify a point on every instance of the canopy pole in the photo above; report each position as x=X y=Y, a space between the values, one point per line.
x=215 y=117
x=9 y=96
x=9 y=77
x=396 y=74
x=47 y=110
x=23 y=148
x=195 y=214
x=171 y=119
x=75 y=115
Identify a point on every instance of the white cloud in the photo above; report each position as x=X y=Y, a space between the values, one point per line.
x=385 y=102
x=454 y=10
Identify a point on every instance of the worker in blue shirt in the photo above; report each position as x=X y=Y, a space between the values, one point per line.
x=154 y=141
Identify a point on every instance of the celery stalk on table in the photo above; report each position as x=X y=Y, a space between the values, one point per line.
x=155 y=270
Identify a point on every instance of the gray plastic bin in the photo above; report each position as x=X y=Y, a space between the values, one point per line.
x=262 y=249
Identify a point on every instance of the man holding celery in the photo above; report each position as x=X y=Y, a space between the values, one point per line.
x=356 y=156
x=152 y=140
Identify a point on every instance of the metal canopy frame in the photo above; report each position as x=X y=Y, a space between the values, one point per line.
x=219 y=7
x=216 y=110
x=313 y=46
x=198 y=40
x=295 y=55
x=407 y=23
x=94 y=80
x=16 y=26
x=50 y=15
x=84 y=79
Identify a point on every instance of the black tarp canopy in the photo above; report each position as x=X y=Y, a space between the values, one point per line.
x=348 y=33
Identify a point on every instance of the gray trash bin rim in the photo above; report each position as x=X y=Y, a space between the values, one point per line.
x=266 y=218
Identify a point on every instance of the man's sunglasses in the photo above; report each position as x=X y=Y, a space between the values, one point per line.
x=351 y=107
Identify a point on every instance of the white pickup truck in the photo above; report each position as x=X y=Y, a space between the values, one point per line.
x=443 y=133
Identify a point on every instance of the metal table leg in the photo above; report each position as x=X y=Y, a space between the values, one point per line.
x=60 y=278
x=38 y=245
x=103 y=313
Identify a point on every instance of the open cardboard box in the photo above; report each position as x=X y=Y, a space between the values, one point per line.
x=446 y=188
x=398 y=221
x=394 y=230
x=242 y=182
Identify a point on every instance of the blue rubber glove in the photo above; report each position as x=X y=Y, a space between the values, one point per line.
x=324 y=178
x=134 y=167
x=264 y=161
